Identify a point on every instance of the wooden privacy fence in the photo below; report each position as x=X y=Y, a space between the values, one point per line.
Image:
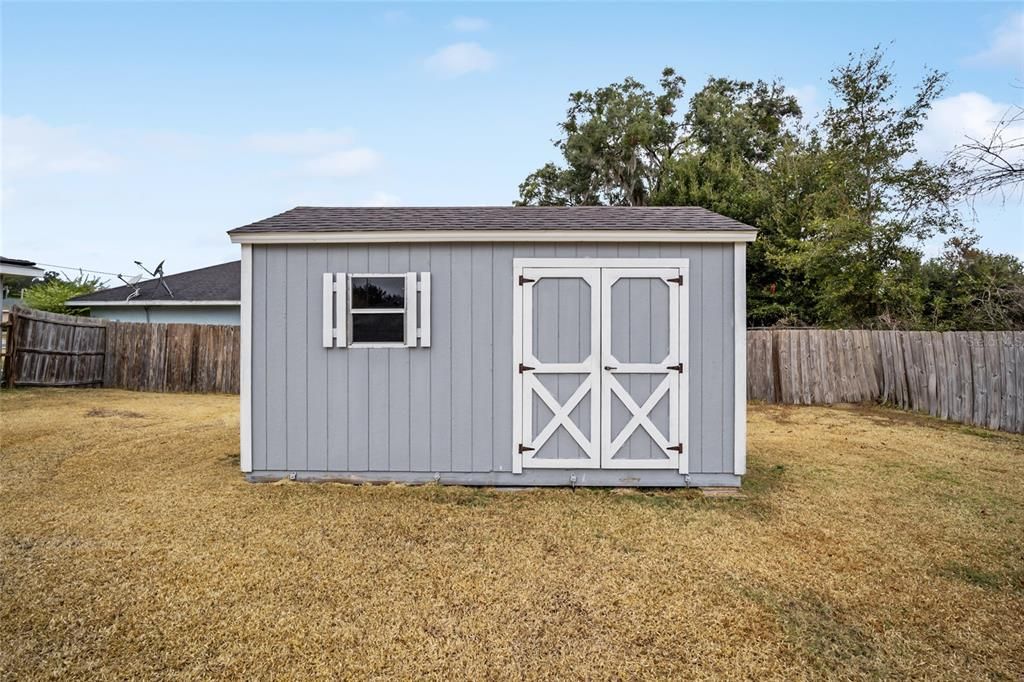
x=47 y=349
x=970 y=377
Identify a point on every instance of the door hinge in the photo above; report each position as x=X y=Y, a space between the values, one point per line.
x=676 y=280
x=679 y=368
x=524 y=448
x=524 y=280
x=525 y=368
x=677 y=448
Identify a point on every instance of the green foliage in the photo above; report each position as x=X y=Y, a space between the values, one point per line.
x=53 y=292
x=842 y=204
x=968 y=288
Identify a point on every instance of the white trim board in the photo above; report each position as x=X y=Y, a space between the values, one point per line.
x=135 y=303
x=245 y=369
x=12 y=270
x=421 y=236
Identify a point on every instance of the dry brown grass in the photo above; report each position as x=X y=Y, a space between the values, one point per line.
x=870 y=544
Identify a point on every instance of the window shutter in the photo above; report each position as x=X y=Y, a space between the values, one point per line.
x=341 y=309
x=410 y=309
x=328 y=309
x=425 y=309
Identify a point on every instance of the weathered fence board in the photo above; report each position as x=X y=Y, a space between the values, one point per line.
x=969 y=377
x=46 y=349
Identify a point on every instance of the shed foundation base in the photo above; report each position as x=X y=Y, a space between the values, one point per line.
x=537 y=477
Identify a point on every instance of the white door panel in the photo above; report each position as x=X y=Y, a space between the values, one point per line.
x=601 y=376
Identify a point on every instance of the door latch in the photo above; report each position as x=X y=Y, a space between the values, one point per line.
x=609 y=369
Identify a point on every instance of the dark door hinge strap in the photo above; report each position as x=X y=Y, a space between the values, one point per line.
x=676 y=280
x=524 y=448
x=524 y=280
x=677 y=448
x=679 y=368
x=525 y=368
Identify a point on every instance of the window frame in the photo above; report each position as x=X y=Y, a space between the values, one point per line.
x=351 y=310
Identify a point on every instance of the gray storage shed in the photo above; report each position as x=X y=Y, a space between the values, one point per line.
x=495 y=345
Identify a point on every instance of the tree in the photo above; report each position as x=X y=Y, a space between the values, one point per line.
x=842 y=205
x=995 y=163
x=53 y=292
x=876 y=200
x=617 y=140
x=969 y=288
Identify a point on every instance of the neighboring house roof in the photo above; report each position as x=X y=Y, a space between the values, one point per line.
x=495 y=218
x=16 y=267
x=215 y=285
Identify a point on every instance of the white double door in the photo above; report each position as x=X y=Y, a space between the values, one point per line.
x=600 y=372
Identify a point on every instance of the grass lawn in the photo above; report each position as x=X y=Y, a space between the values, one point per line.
x=870 y=543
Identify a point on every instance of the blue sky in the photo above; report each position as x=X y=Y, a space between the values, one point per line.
x=144 y=131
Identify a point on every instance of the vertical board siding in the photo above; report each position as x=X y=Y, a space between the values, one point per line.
x=398 y=385
x=419 y=380
x=447 y=408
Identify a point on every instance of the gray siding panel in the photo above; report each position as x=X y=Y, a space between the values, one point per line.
x=419 y=380
x=337 y=401
x=259 y=360
x=276 y=325
x=448 y=408
x=461 y=378
x=440 y=352
x=296 y=378
x=482 y=358
x=316 y=363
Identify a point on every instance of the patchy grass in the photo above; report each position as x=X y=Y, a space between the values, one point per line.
x=869 y=543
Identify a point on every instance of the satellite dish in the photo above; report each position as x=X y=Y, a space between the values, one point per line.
x=157 y=272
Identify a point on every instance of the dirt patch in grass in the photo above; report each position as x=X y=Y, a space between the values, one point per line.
x=867 y=545
x=103 y=412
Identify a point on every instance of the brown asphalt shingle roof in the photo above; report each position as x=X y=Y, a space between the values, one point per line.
x=352 y=219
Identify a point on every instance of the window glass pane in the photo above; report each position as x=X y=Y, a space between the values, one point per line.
x=378 y=328
x=378 y=292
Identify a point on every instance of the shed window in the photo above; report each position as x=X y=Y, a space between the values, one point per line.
x=382 y=309
x=378 y=309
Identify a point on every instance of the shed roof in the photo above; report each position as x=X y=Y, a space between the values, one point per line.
x=326 y=219
x=216 y=283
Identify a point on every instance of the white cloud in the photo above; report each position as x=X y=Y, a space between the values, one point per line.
x=310 y=141
x=381 y=199
x=395 y=16
x=343 y=163
x=470 y=24
x=1007 y=44
x=459 y=59
x=953 y=119
x=31 y=147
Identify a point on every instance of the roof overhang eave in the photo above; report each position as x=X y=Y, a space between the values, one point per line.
x=518 y=235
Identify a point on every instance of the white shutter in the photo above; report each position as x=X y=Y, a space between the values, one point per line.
x=341 y=309
x=410 y=309
x=425 y=309
x=328 y=309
